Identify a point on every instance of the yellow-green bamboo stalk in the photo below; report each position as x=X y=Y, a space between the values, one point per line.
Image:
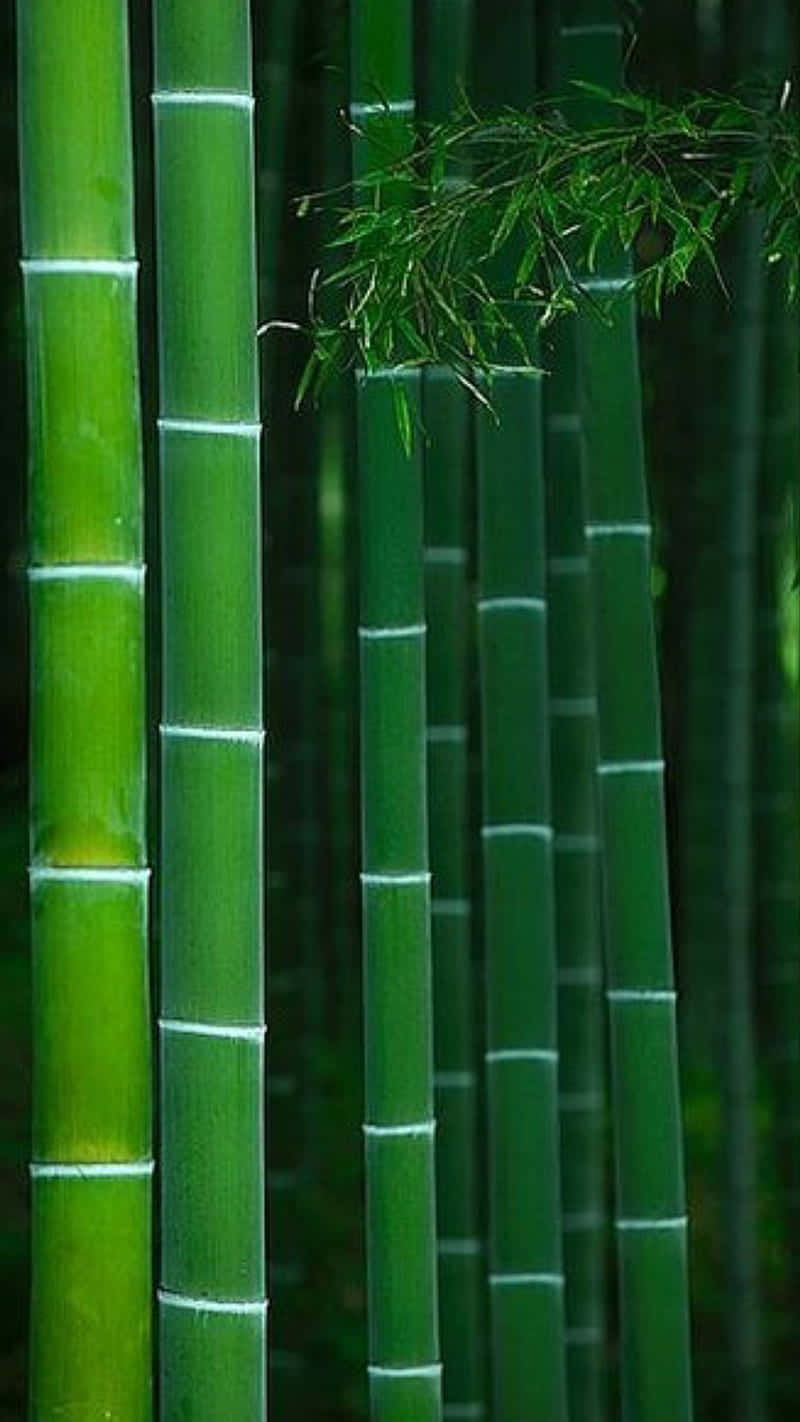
x=92 y=1167
x=212 y=1307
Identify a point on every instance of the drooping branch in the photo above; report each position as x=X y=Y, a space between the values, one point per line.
x=655 y=183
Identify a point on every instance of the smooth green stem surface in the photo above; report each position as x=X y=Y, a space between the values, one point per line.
x=525 y=1263
x=91 y=1137
x=212 y=1305
x=404 y=1371
x=405 y=1374
x=526 y=1280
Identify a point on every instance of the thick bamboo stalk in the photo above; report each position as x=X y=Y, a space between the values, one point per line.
x=404 y=1367
x=650 y=1201
x=92 y=1166
x=211 y=1302
x=526 y=1280
x=447 y=461
x=573 y=748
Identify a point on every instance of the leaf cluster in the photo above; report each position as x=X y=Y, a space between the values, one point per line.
x=490 y=228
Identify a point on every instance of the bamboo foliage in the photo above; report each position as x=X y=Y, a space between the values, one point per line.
x=211 y=1302
x=92 y=1166
x=404 y=1367
x=651 y=1219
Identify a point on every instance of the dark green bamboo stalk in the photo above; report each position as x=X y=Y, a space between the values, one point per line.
x=573 y=744
x=525 y=1256
x=460 y=1246
x=650 y=1201
x=211 y=1303
x=92 y=1166
x=526 y=1281
x=404 y=1367
x=747 y=1397
x=447 y=450
x=776 y=804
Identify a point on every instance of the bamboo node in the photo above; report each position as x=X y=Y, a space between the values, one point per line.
x=206 y=1305
x=514 y=1281
x=411 y=1128
x=217 y=98
x=665 y=1222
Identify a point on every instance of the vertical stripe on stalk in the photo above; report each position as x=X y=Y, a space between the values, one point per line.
x=443 y=73
x=212 y=1309
x=649 y=1163
x=573 y=743
x=92 y=1165
x=526 y=1297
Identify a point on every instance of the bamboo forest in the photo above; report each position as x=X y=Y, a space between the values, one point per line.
x=400 y=711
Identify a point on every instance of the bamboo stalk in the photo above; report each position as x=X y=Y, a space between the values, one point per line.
x=777 y=787
x=526 y=1280
x=211 y=1302
x=404 y=1368
x=650 y=1200
x=447 y=460
x=461 y=1252
x=573 y=744
x=92 y=1166
x=744 y=1317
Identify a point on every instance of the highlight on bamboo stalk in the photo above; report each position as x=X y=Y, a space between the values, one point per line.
x=90 y=1340
x=212 y=1306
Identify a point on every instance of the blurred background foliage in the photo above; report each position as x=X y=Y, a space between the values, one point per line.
x=690 y=402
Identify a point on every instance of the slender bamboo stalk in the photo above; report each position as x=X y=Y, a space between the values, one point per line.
x=460 y=1245
x=404 y=1367
x=405 y=1374
x=447 y=459
x=92 y=1166
x=747 y=1380
x=650 y=1201
x=777 y=799
x=526 y=1281
x=211 y=1303
x=576 y=848
x=573 y=746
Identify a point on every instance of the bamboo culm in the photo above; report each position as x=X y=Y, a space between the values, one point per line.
x=447 y=460
x=525 y=1264
x=212 y=1306
x=576 y=848
x=651 y=1223
x=92 y=1164
x=402 y=1308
